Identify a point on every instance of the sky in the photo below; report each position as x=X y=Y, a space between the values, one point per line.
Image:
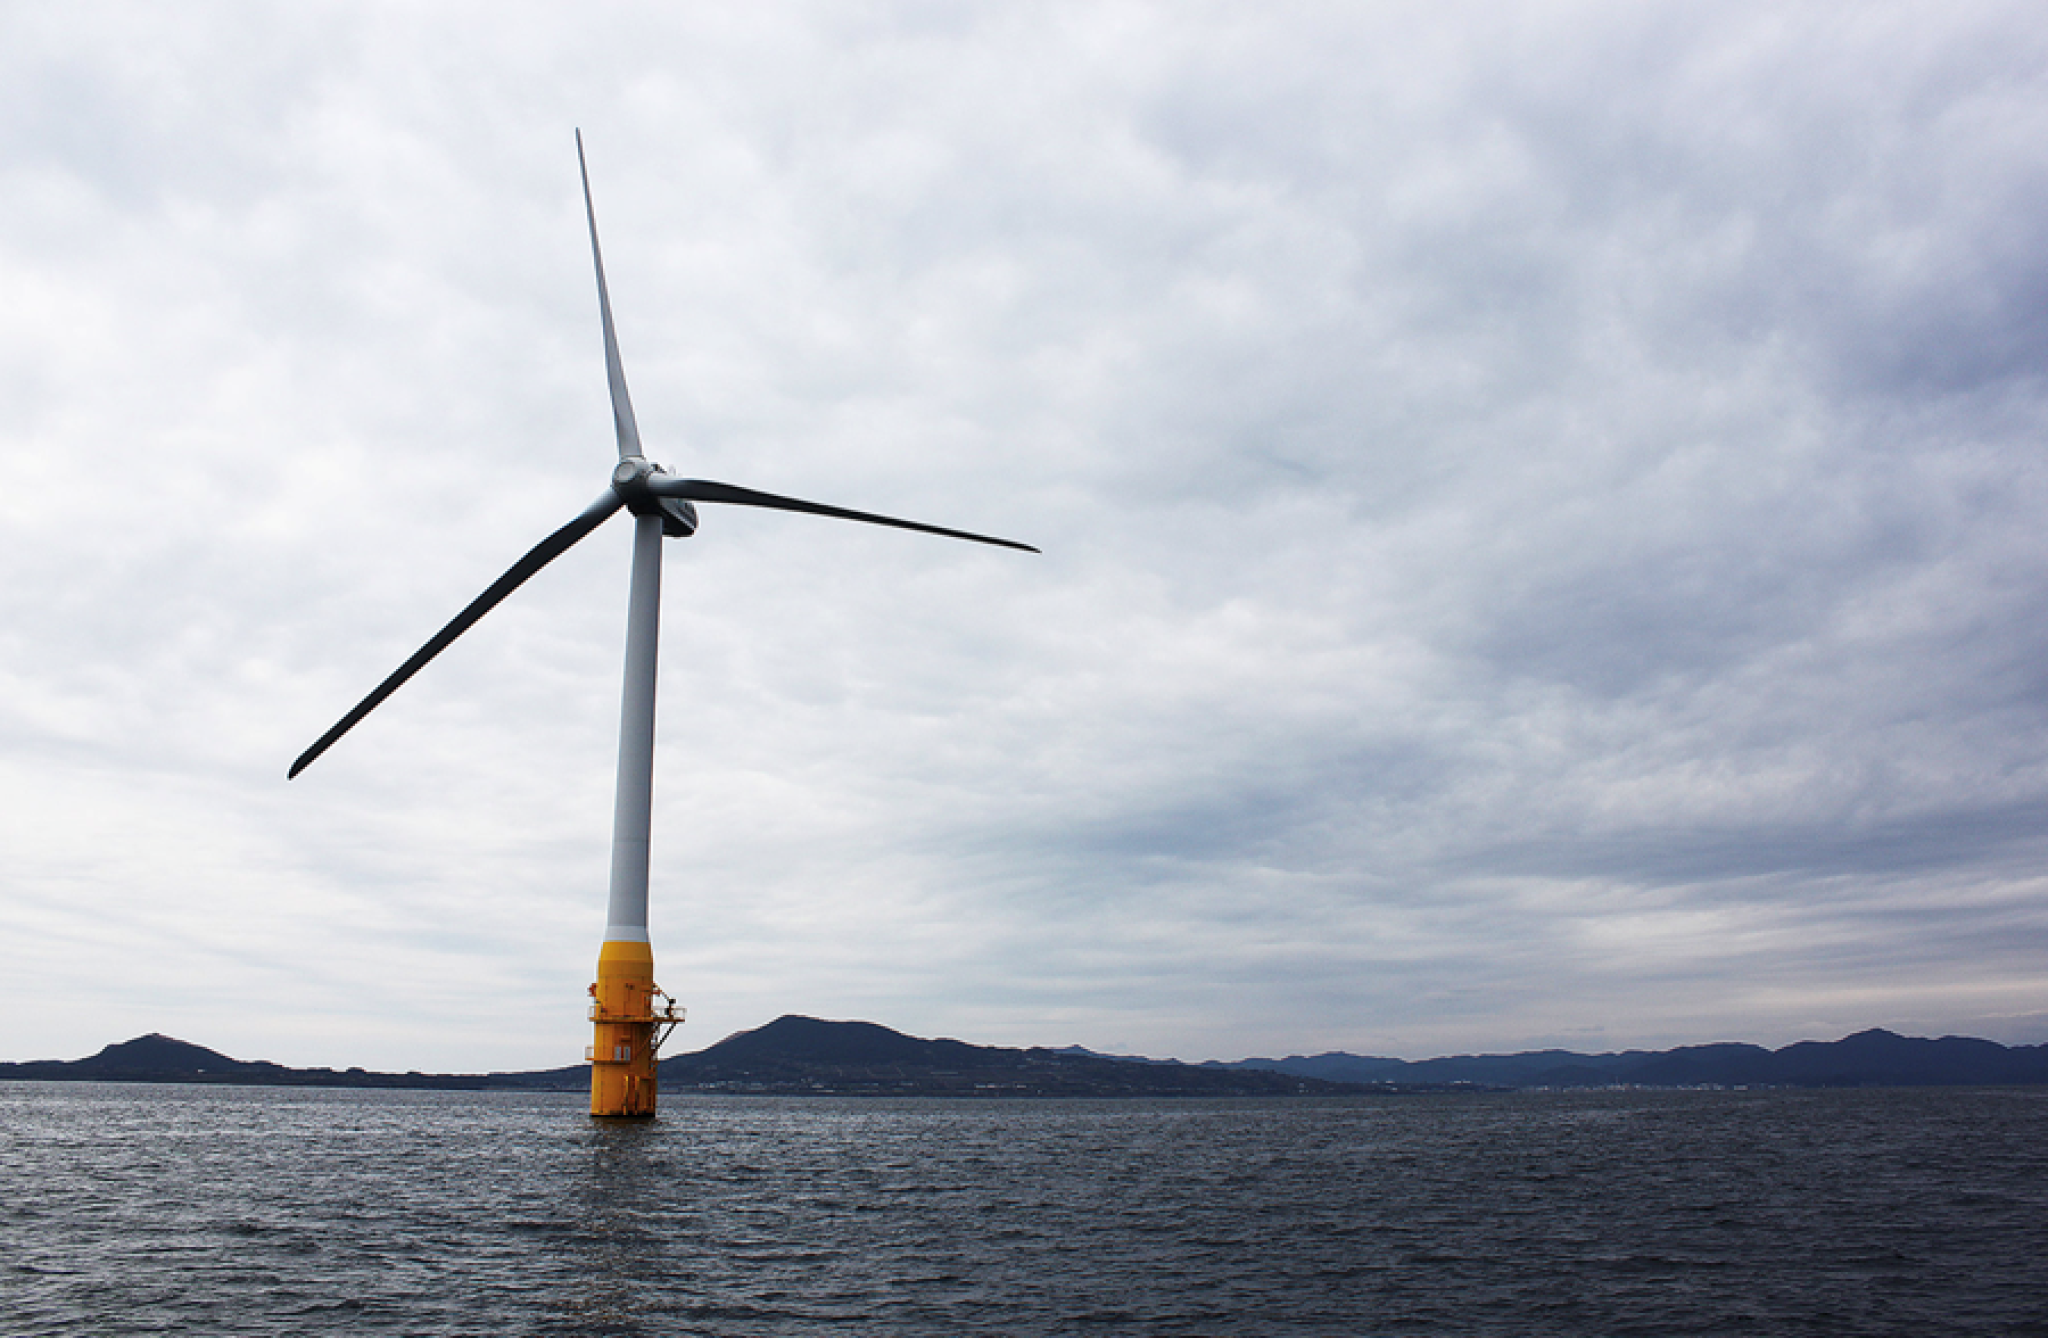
x=1542 y=509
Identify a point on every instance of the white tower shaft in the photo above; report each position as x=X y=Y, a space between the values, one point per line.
x=633 y=811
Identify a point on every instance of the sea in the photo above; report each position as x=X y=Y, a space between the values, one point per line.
x=141 y=1209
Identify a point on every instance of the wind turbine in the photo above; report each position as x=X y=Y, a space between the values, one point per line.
x=629 y=1006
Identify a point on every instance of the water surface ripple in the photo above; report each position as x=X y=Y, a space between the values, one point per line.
x=147 y=1209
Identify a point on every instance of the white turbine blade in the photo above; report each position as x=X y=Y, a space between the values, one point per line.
x=703 y=490
x=542 y=553
x=614 y=370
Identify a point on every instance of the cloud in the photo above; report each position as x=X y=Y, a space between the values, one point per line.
x=1540 y=509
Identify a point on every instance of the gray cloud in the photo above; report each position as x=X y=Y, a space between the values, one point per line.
x=1541 y=510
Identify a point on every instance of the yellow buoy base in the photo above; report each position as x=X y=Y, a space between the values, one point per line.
x=632 y=1016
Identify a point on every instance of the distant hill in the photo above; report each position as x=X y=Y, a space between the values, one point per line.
x=792 y=1055
x=809 y=1056
x=159 y=1058
x=1873 y=1058
x=804 y=1055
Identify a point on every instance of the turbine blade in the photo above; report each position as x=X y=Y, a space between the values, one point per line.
x=701 y=490
x=542 y=553
x=614 y=370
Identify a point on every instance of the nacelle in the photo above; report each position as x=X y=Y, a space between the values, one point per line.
x=678 y=518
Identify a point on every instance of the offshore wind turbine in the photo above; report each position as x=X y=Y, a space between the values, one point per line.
x=628 y=1006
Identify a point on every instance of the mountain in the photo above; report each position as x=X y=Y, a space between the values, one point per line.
x=1874 y=1058
x=809 y=1056
x=792 y=1055
x=805 y=1055
x=148 y=1056
x=159 y=1058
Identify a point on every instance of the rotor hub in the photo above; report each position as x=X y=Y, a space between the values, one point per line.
x=630 y=478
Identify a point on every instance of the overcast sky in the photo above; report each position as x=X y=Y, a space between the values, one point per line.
x=1543 y=513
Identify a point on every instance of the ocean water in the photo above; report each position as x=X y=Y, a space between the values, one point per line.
x=208 y=1210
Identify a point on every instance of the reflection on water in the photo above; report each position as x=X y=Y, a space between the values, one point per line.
x=617 y=1247
x=272 y=1211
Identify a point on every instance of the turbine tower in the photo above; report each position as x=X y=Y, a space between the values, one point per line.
x=628 y=1008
